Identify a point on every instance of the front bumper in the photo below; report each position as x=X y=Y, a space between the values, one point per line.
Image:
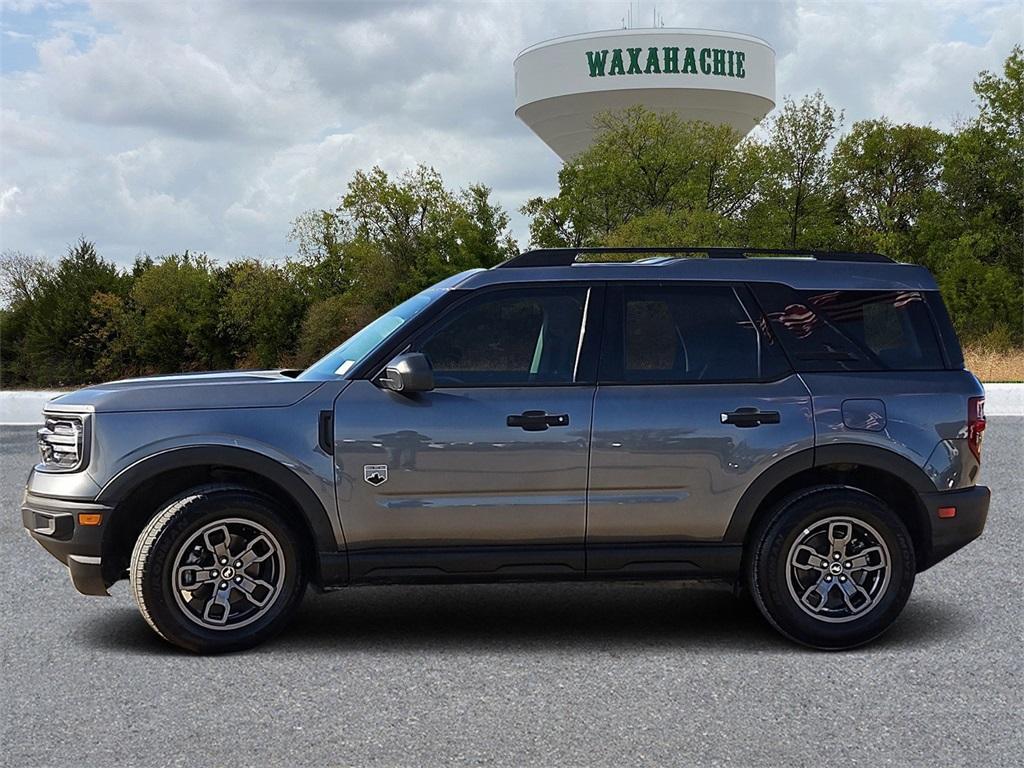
x=948 y=534
x=54 y=524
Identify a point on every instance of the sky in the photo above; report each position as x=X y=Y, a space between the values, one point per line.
x=155 y=127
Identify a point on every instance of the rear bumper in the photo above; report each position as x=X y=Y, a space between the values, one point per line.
x=948 y=534
x=54 y=524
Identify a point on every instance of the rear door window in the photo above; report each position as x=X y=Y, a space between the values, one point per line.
x=666 y=333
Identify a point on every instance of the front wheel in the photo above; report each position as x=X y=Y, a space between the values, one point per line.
x=832 y=567
x=217 y=570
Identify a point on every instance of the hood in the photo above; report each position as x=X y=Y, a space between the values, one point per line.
x=197 y=391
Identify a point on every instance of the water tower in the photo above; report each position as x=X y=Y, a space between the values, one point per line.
x=719 y=77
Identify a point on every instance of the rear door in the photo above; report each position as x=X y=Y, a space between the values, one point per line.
x=695 y=400
x=486 y=474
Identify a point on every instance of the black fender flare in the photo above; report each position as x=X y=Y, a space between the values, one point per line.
x=874 y=457
x=231 y=457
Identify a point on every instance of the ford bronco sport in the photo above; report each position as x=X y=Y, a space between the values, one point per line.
x=799 y=423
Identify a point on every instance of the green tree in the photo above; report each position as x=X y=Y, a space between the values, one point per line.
x=319 y=265
x=885 y=174
x=329 y=322
x=57 y=348
x=20 y=279
x=20 y=276
x=650 y=176
x=261 y=313
x=794 y=209
x=973 y=231
x=113 y=335
x=173 y=316
x=389 y=238
x=411 y=231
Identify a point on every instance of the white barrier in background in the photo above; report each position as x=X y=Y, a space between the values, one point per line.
x=24 y=407
x=1004 y=399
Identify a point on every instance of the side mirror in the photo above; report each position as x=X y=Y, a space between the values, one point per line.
x=408 y=373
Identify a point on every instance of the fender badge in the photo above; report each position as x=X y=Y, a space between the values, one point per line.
x=375 y=474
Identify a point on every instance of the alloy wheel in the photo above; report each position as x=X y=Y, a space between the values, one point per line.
x=838 y=569
x=228 y=574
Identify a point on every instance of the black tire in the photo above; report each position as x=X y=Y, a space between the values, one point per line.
x=802 y=525
x=222 y=515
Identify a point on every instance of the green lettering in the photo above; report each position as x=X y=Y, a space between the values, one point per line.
x=718 y=55
x=634 y=61
x=690 y=63
x=653 y=65
x=732 y=56
x=616 y=68
x=671 y=60
x=740 y=55
x=705 y=67
x=596 y=60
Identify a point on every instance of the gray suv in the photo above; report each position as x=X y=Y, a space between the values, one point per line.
x=798 y=423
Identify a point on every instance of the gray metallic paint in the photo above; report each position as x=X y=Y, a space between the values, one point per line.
x=925 y=418
x=458 y=475
x=665 y=468
x=124 y=443
x=196 y=391
x=664 y=475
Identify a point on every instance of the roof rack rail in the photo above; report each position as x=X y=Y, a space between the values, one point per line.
x=564 y=257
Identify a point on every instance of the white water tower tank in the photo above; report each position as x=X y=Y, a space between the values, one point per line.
x=718 y=77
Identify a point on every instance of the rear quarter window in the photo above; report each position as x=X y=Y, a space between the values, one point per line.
x=853 y=330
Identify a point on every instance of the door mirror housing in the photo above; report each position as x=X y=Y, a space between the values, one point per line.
x=408 y=373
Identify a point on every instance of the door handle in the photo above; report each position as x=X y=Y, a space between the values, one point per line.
x=750 y=417
x=537 y=421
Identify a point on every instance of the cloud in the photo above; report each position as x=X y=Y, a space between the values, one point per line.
x=31 y=136
x=9 y=202
x=209 y=125
x=170 y=88
x=897 y=59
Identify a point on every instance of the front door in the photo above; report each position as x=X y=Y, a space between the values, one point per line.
x=487 y=474
x=695 y=400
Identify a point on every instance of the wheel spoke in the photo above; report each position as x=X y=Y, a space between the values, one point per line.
x=822 y=589
x=190 y=577
x=258 y=550
x=256 y=591
x=851 y=590
x=862 y=560
x=217 y=540
x=839 y=535
x=218 y=607
x=812 y=562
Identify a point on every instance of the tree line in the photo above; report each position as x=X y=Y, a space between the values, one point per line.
x=951 y=201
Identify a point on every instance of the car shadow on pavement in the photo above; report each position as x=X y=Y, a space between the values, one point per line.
x=533 y=618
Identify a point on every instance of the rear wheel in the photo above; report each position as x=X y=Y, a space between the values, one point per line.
x=217 y=570
x=832 y=567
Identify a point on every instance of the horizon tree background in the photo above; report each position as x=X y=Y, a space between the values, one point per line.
x=951 y=201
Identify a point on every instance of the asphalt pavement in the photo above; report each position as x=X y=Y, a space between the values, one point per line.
x=550 y=674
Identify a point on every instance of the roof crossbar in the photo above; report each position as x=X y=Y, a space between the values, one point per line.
x=564 y=257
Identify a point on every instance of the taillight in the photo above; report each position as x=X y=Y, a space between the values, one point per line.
x=975 y=424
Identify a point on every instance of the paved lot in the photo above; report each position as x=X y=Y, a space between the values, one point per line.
x=520 y=675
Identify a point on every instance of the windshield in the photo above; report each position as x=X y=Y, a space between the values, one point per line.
x=354 y=349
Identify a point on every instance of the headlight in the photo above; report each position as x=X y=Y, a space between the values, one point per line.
x=62 y=443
